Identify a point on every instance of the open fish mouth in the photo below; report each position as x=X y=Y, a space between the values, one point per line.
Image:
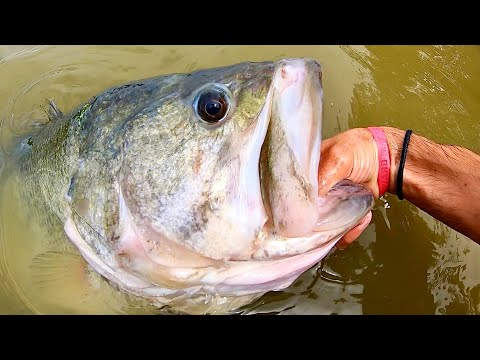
x=292 y=228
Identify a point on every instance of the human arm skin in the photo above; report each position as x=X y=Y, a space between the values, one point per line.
x=442 y=180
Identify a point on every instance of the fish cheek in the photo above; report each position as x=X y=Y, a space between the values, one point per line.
x=199 y=219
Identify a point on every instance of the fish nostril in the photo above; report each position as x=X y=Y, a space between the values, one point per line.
x=291 y=73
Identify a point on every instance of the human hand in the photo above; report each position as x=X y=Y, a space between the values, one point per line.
x=351 y=155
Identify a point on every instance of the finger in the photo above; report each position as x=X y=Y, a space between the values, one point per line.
x=353 y=234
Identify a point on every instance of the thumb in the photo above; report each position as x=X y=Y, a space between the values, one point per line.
x=333 y=168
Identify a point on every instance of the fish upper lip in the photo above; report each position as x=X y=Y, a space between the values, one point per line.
x=293 y=144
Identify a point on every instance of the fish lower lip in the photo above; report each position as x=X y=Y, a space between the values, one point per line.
x=231 y=278
x=271 y=275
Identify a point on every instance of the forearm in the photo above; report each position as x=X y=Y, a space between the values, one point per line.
x=442 y=180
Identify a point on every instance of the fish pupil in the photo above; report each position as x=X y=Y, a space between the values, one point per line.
x=213 y=108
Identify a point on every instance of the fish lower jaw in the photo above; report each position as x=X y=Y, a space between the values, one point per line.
x=230 y=279
x=263 y=275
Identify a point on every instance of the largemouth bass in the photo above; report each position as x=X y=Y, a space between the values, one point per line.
x=190 y=186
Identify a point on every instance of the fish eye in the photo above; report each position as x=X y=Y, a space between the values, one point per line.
x=211 y=104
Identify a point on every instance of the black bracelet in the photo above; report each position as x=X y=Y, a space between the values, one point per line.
x=402 y=164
